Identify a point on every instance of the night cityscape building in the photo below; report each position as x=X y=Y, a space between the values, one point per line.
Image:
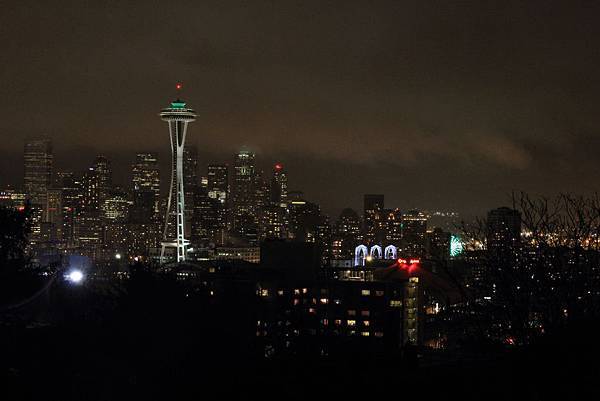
x=389 y=200
x=191 y=182
x=146 y=177
x=373 y=214
x=38 y=169
x=218 y=188
x=279 y=185
x=243 y=196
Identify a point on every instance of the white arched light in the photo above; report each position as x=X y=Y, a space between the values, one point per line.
x=376 y=252
x=391 y=252
x=360 y=254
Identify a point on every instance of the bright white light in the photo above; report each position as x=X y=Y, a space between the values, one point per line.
x=75 y=276
x=118 y=256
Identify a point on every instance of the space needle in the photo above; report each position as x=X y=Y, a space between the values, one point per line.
x=177 y=116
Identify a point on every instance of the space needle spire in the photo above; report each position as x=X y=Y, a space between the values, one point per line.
x=177 y=117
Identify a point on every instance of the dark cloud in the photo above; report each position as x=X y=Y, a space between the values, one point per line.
x=461 y=102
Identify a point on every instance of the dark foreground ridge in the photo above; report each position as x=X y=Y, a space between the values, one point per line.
x=149 y=339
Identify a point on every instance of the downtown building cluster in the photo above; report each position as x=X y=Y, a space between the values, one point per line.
x=505 y=282
x=229 y=212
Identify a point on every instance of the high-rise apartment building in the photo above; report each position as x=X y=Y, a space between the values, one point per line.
x=146 y=177
x=414 y=232
x=503 y=233
x=373 y=217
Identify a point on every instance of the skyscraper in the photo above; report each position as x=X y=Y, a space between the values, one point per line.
x=38 y=160
x=103 y=172
x=243 y=199
x=218 y=181
x=218 y=189
x=146 y=177
x=279 y=185
x=190 y=178
x=503 y=232
x=178 y=117
x=96 y=186
x=414 y=231
x=347 y=234
x=71 y=205
x=205 y=221
x=373 y=216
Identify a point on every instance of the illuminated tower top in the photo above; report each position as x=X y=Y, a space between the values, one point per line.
x=177 y=112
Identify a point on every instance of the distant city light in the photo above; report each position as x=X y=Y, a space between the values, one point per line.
x=278 y=166
x=74 y=276
x=178 y=86
x=118 y=256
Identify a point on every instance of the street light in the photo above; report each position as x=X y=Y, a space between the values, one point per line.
x=74 y=276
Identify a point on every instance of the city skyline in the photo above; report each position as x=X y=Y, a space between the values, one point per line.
x=423 y=103
x=374 y=198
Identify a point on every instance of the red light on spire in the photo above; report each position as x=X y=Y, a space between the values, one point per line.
x=278 y=166
x=178 y=86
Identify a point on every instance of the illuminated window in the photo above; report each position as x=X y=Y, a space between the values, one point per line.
x=312 y=310
x=351 y=312
x=338 y=322
x=366 y=292
x=280 y=292
x=296 y=301
x=378 y=334
x=337 y=301
x=366 y=323
x=365 y=313
x=304 y=290
x=264 y=292
x=325 y=322
x=297 y=291
x=351 y=323
x=394 y=303
x=324 y=300
x=365 y=334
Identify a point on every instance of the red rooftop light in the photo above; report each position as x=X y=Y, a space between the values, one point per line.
x=278 y=166
x=178 y=86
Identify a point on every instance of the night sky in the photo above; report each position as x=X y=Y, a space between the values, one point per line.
x=437 y=104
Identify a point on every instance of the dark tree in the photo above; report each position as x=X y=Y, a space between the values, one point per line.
x=14 y=232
